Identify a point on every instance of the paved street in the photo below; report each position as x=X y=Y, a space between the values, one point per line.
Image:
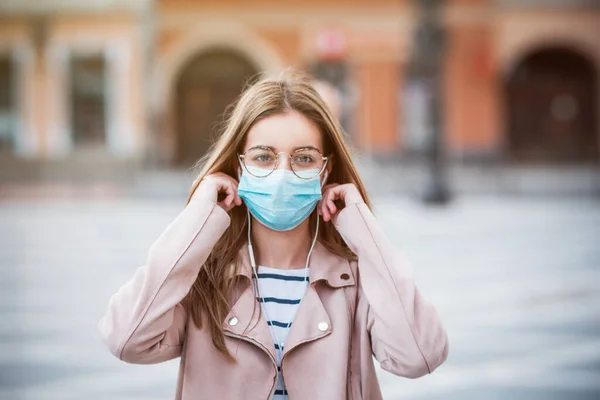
x=515 y=280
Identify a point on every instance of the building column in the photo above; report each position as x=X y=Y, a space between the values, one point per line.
x=121 y=138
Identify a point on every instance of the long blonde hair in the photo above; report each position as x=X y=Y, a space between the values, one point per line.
x=210 y=293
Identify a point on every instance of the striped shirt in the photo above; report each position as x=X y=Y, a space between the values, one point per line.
x=281 y=291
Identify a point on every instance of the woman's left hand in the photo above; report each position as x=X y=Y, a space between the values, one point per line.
x=347 y=193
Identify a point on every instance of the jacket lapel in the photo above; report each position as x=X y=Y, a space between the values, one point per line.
x=244 y=321
x=248 y=324
x=311 y=321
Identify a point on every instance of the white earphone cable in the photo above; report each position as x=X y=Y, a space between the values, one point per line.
x=255 y=280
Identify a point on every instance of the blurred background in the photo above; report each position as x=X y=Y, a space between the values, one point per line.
x=475 y=125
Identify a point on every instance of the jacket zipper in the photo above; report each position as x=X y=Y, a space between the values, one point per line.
x=266 y=351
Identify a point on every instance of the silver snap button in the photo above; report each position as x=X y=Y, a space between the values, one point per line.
x=233 y=321
x=323 y=326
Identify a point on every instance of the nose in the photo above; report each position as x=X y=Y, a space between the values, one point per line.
x=284 y=161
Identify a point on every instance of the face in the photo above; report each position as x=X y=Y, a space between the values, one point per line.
x=287 y=132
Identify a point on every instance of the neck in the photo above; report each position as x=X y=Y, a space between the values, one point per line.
x=285 y=250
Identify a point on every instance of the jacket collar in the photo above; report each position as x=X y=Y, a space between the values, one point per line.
x=324 y=266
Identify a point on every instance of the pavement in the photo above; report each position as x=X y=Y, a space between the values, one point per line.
x=515 y=280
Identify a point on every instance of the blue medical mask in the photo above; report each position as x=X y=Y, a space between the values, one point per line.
x=281 y=200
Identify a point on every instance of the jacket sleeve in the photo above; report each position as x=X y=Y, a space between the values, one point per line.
x=407 y=336
x=145 y=322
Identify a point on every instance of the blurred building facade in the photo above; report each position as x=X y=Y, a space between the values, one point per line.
x=140 y=79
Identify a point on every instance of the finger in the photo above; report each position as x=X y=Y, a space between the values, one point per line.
x=334 y=193
x=325 y=208
x=233 y=197
x=233 y=184
x=224 y=204
x=332 y=207
x=230 y=193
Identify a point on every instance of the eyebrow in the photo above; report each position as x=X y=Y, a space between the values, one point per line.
x=308 y=147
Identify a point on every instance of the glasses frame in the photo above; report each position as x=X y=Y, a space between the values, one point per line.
x=325 y=160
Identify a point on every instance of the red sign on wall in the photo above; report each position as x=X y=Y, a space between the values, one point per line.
x=331 y=44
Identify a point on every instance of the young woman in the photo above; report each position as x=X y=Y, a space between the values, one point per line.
x=276 y=280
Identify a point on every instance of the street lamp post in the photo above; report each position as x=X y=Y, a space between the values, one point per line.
x=427 y=72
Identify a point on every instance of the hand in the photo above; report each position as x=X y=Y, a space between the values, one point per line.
x=219 y=185
x=347 y=193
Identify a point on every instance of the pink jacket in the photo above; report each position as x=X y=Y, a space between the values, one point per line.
x=351 y=311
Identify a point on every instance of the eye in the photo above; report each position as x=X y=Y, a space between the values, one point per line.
x=263 y=158
x=304 y=159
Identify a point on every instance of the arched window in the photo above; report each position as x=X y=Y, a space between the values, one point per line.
x=209 y=83
x=551 y=104
x=88 y=100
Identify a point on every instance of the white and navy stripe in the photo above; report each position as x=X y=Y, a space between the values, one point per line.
x=281 y=292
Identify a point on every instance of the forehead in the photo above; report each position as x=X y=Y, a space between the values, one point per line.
x=284 y=132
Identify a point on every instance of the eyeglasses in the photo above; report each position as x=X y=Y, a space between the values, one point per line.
x=262 y=161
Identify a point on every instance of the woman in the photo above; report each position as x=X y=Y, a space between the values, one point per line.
x=277 y=229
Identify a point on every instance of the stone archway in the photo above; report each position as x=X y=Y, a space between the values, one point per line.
x=207 y=84
x=551 y=102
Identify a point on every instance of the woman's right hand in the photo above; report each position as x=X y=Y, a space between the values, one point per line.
x=219 y=185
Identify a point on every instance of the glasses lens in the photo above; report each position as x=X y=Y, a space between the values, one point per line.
x=260 y=162
x=307 y=164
